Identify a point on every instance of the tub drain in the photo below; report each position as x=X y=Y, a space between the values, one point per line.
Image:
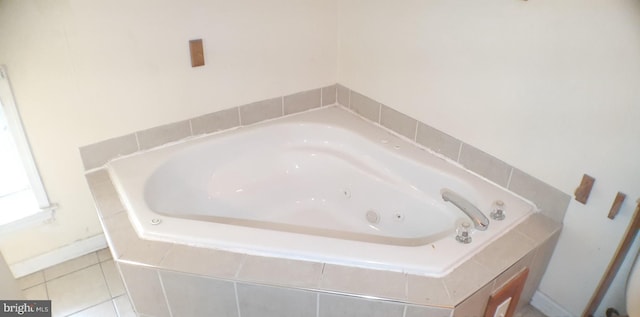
x=373 y=216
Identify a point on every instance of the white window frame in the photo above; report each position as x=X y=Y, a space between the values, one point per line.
x=7 y=102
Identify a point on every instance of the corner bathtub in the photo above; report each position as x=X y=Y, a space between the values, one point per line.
x=324 y=186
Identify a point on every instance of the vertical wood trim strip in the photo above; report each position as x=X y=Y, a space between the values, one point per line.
x=614 y=265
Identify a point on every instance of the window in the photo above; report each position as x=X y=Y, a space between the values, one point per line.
x=22 y=195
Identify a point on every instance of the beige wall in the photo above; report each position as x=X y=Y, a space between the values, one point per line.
x=548 y=86
x=83 y=71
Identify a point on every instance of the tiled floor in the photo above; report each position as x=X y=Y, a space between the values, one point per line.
x=529 y=311
x=90 y=286
x=86 y=286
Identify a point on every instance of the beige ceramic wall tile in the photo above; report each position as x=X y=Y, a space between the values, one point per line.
x=302 y=101
x=201 y=261
x=190 y=295
x=163 y=134
x=339 y=306
x=438 y=141
x=485 y=164
x=538 y=266
x=261 y=110
x=466 y=279
x=538 y=227
x=126 y=244
x=428 y=291
x=475 y=305
x=398 y=122
x=343 y=96
x=265 y=301
x=365 y=106
x=329 y=95
x=278 y=271
x=376 y=283
x=427 y=311
x=97 y=154
x=104 y=193
x=144 y=288
x=516 y=268
x=502 y=253
x=216 y=121
x=77 y=291
x=551 y=201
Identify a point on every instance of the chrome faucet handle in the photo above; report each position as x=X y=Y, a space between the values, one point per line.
x=497 y=210
x=464 y=233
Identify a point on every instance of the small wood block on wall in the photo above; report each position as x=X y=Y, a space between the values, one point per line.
x=584 y=190
x=617 y=203
x=197 y=53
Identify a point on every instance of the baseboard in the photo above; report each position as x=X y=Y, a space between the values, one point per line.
x=65 y=253
x=548 y=307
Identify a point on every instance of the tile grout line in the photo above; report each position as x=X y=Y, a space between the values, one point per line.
x=164 y=292
x=92 y=306
x=510 y=175
x=235 y=290
x=281 y=106
x=70 y=272
x=104 y=278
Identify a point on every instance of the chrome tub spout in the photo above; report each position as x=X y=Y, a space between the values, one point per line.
x=480 y=221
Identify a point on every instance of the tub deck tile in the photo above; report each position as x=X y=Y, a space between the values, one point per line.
x=466 y=280
x=538 y=227
x=279 y=271
x=428 y=291
x=354 y=280
x=126 y=244
x=200 y=261
x=104 y=193
x=502 y=253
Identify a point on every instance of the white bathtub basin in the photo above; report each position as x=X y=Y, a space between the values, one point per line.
x=324 y=186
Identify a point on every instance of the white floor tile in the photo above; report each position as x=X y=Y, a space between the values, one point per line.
x=104 y=255
x=114 y=282
x=123 y=306
x=70 y=266
x=31 y=280
x=105 y=309
x=38 y=292
x=77 y=291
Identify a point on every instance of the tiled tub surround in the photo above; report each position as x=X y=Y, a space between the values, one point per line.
x=166 y=278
